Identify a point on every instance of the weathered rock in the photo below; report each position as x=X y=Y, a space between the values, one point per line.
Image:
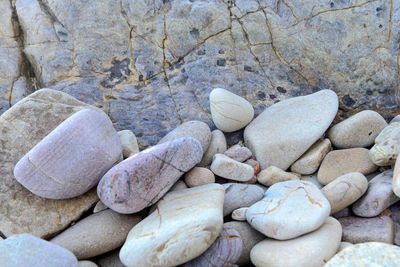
x=240 y=195
x=129 y=143
x=238 y=153
x=22 y=127
x=387 y=145
x=359 y=230
x=349 y=160
x=273 y=175
x=87 y=264
x=396 y=178
x=270 y=215
x=189 y=219
x=99 y=207
x=366 y=254
x=217 y=145
x=345 y=190
x=72 y=158
x=378 y=197
x=284 y=131
x=196 y=129
x=229 y=112
x=309 y=162
x=231 y=169
x=313 y=249
x=344 y=245
x=97 y=233
x=199 y=176
x=110 y=259
x=144 y=178
x=249 y=237
x=313 y=179
x=26 y=250
x=359 y=130
x=239 y=214
x=224 y=252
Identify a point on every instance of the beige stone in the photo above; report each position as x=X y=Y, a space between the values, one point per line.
x=339 y=162
x=199 y=176
x=87 y=264
x=345 y=190
x=360 y=130
x=99 y=207
x=309 y=162
x=217 y=145
x=311 y=250
x=396 y=178
x=22 y=127
x=387 y=145
x=229 y=112
x=344 y=245
x=239 y=214
x=231 y=169
x=129 y=143
x=273 y=175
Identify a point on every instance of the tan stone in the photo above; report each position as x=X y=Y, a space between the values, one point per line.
x=129 y=143
x=396 y=178
x=217 y=145
x=22 y=127
x=387 y=145
x=231 y=169
x=339 y=162
x=273 y=175
x=199 y=176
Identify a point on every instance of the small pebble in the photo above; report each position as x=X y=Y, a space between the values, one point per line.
x=273 y=175
x=240 y=195
x=99 y=207
x=238 y=153
x=253 y=163
x=231 y=169
x=217 y=145
x=129 y=143
x=179 y=185
x=239 y=214
x=387 y=146
x=199 y=176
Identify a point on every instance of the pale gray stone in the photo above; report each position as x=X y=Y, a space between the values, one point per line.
x=231 y=169
x=217 y=145
x=129 y=143
x=199 y=176
x=240 y=195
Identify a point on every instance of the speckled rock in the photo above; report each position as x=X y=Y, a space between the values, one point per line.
x=240 y=195
x=72 y=158
x=396 y=178
x=378 y=197
x=349 y=160
x=238 y=153
x=311 y=250
x=269 y=215
x=217 y=145
x=144 y=178
x=239 y=214
x=313 y=179
x=22 y=127
x=360 y=130
x=309 y=162
x=87 y=264
x=359 y=230
x=231 y=169
x=97 y=233
x=273 y=175
x=345 y=190
x=199 y=176
x=366 y=254
x=344 y=245
x=25 y=250
x=196 y=129
x=224 y=252
x=129 y=143
x=229 y=112
x=387 y=145
x=284 y=131
x=189 y=219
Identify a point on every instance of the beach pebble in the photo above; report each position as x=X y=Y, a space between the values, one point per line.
x=231 y=169
x=229 y=112
x=339 y=162
x=387 y=145
x=253 y=163
x=199 y=176
x=239 y=214
x=87 y=264
x=273 y=175
x=240 y=195
x=360 y=130
x=72 y=158
x=238 y=153
x=217 y=145
x=99 y=207
x=307 y=206
x=129 y=143
x=396 y=178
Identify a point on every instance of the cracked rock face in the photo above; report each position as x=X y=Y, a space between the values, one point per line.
x=161 y=59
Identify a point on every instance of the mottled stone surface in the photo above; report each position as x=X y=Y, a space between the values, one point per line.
x=387 y=145
x=22 y=127
x=240 y=195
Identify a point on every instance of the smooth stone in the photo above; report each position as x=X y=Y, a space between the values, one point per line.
x=310 y=250
x=99 y=207
x=239 y=214
x=309 y=162
x=224 y=252
x=97 y=234
x=253 y=163
x=87 y=264
x=387 y=145
x=360 y=130
x=396 y=178
x=239 y=153
x=366 y=254
x=240 y=195
x=129 y=143
x=342 y=213
x=349 y=160
x=183 y=226
x=25 y=250
x=284 y=131
x=344 y=245
x=345 y=190
x=178 y=186
x=360 y=230
x=273 y=175
x=395 y=119
x=199 y=176
x=231 y=169
x=22 y=127
x=229 y=112
x=313 y=179
x=270 y=215
x=72 y=158
x=217 y=145
x=110 y=259
x=250 y=237
x=378 y=197
x=141 y=180
x=196 y=129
